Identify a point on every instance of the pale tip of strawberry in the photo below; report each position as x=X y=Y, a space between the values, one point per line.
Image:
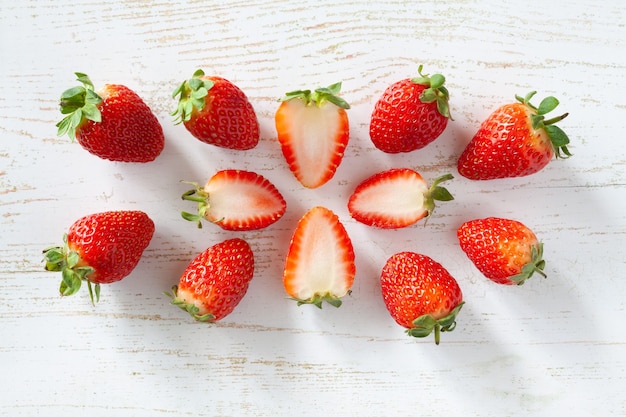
x=189 y=308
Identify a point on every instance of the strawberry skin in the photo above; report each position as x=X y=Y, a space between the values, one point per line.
x=396 y=198
x=236 y=200
x=215 y=281
x=100 y=248
x=320 y=261
x=113 y=124
x=313 y=132
x=217 y=112
x=410 y=114
x=515 y=141
x=420 y=294
x=505 y=251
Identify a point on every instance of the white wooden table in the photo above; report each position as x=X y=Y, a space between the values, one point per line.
x=551 y=347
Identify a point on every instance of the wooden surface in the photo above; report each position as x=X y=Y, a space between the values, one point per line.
x=551 y=347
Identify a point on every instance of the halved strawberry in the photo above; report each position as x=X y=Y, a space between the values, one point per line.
x=236 y=200
x=396 y=198
x=313 y=132
x=320 y=261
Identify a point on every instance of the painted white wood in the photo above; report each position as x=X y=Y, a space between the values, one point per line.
x=550 y=347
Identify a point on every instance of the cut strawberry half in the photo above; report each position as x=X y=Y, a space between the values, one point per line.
x=236 y=200
x=396 y=198
x=313 y=132
x=320 y=261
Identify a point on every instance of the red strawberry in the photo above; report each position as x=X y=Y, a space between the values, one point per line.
x=420 y=294
x=236 y=200
x=410 y=114
x=396 y=198
x=505 y=251
x=514 y=141
x=313 y=132
x=100 y=248
x=215 y=281
x=113 y=124
x=216 y=112
x=320 y=261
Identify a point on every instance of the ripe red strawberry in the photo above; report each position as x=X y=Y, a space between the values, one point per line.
x=504 y=250
x=215 y=281
x=216 y=112
x=236 y=200
x=320 y=261
x=100 y=248
x=396 y=198
x=313 y=132
x=410 y=114
x=420 y=294
x=514 y=141
x=113 y=123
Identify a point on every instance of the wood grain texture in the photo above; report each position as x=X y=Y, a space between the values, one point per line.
x=549 y=347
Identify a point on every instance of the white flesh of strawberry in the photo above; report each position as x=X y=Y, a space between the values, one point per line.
x=321 y=257
x=399 y=199
x=313 y=145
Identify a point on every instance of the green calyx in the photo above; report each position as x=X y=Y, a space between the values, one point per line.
x=319 y=96
x=424 y=325
x=318 y=299
x=191 y=95
x=78 y=103
x=536 y=264
x=191 y=309
x=61 y=258
x=437 y=193
x=199 y=196
x=557 y=136
x=435 y=92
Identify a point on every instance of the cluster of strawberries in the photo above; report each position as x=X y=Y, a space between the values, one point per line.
x=313 y=131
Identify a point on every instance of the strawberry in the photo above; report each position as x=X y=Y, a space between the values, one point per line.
x=504 y=250
x=396 y=198
x=313 y=132
x=320 y=261
x=410 y=114
x=216 y=112
x=100 y=248
x=236 y=200
x=420 y=294
x=215 y=281
x=113 y=123
x=514 y=141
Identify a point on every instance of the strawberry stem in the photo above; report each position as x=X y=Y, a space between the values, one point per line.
x=190 y=308
x=536 y=265
x=558 y=137
x=319 y=96
x=437 y=193
x=65 y=260
x=426 y=324
x=197 y=195
x=191 y=95
x=78 y=103
x=435 y=91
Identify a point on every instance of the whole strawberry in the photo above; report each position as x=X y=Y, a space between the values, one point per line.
x=216 y=112
x=410 y=114
x=100 y=248
x=313 y=132
x=504 y=250
x=215 y=281
x=113 y=123
x=514 y=141
x=420 y=294
x=236 y=200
